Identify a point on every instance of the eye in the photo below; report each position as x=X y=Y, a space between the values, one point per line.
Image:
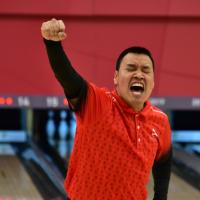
x=129 y=69
x=146 y=70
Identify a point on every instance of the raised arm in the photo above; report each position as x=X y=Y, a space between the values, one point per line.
x=74 y=86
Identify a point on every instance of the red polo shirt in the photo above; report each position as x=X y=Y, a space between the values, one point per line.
x=115 y=148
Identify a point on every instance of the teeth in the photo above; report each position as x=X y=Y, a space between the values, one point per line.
x=137 y=84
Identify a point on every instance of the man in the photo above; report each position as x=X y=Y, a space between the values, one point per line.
x=120 y=136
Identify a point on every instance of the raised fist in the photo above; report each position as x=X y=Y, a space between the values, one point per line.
x=53 y=30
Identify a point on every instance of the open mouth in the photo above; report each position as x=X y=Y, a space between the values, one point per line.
x=137 y=88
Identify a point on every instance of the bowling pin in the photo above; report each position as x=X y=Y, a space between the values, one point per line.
x=63 y=127
x=50 y=126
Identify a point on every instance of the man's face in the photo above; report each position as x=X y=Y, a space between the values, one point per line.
x=135 y=79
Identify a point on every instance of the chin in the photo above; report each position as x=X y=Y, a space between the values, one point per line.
x=138 y=101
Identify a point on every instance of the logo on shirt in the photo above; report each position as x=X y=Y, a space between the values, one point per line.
x=154 y=133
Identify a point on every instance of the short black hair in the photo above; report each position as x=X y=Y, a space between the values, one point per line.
x=134 y=49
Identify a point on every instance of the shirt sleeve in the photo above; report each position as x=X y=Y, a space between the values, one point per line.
x=164 y=141
x=74 y=86
x=162 y=165
x=96 y=104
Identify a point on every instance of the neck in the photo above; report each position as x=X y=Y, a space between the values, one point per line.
x=138 y=108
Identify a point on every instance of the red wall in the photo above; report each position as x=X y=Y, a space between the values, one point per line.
x=97 y=32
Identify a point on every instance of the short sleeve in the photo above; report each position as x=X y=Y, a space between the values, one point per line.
x=165 y=143
x=96 y=103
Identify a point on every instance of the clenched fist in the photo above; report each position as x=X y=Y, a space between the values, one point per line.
x=53 y=30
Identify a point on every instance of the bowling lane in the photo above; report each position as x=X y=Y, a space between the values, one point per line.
x=178 y=190
x=15 y=183
x=27 y=173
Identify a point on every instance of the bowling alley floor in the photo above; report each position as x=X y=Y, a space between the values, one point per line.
x=185 y=166
x=178 y=190
x=23 y=176
x=15 y=183
x=26 y=174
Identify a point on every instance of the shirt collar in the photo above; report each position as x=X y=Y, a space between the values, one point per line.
x=128 y=109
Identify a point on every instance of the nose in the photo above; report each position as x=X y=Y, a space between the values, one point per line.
x=138 y=75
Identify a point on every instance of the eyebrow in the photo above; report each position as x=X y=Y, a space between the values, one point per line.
x=135 y=65
x=132 y=65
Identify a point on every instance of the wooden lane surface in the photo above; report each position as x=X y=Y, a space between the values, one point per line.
x=15 y=183
x=178 y=190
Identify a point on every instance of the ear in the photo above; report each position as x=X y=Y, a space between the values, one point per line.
x=116 y=77
x=153 y=85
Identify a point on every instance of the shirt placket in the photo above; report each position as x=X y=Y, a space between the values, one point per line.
x=138 y=128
